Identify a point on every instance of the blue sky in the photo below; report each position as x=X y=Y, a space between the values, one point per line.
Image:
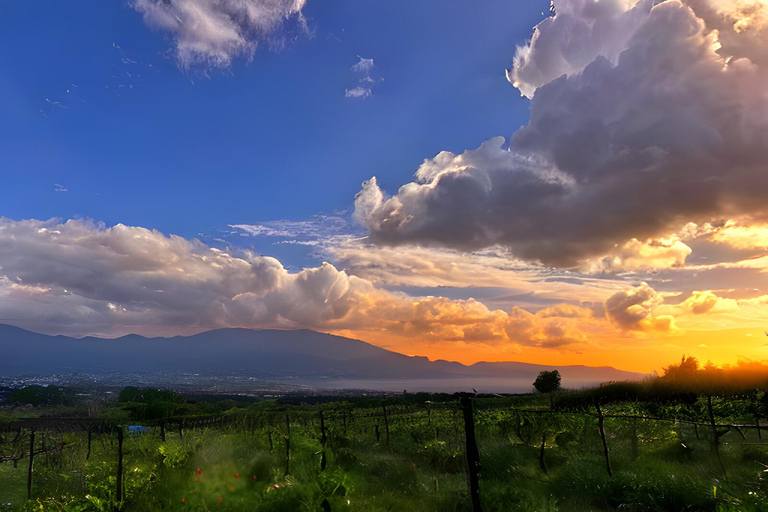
x=137 y=141
x=621 y=210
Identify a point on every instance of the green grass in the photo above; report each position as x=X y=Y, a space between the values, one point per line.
x=422 y=468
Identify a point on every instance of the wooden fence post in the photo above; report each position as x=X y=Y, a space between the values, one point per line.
x=715 y=436
x=386 y=423
x=472 y=454
x=287 y=444
x=323 y=439
x=44 y=449
x=542 y=464
x=633 y=423
x=119 y=492
x=31 y=462
x=90 y=434
x=600 y=422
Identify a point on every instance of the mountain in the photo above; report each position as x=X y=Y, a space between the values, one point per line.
x=301 y=356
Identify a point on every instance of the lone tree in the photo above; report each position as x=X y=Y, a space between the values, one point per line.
x=548 y=382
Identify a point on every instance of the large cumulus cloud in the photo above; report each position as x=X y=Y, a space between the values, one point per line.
x=210 y=34
x=633 y=310
x=80 y=277
x=645 y=115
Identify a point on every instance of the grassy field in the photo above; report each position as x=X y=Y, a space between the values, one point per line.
x=236 y=461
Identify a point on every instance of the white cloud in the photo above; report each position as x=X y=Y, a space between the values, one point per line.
x=80 y=277
x=365 y=83
x=431 y=267
x=358 y=92
x=210 y=34
x=319 y=227
x=364 y=66
x=580 y=32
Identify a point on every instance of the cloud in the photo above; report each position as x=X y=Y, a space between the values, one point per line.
x=81 y=277
x=438 y=319
x=431 y=267
x=742 y=235
x=364 y=66
x=319 y=228
x=645 y=115
x=568 y=42
x=57 y=187
x=544 y=331
x=358 y=92
x=365 y=83
x=635 y=255
x=709 y=310
x=700 y=302
x=210 y=34
x=633 y=310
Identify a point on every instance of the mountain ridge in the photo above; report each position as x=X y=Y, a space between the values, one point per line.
x=299 y=355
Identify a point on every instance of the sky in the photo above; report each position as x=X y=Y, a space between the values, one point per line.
x=581 y=183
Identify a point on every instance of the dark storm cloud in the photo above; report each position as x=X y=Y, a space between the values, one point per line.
x=634 y=131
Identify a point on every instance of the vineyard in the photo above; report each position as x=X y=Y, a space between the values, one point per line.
x=611 y=448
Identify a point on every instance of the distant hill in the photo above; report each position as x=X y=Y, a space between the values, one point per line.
x=302 y=356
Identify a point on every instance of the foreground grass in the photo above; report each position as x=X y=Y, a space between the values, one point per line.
x=242 y=468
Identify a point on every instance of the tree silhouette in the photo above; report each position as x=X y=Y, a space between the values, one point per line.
x=548 y=383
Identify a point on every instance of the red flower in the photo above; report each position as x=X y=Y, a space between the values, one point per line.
x=199 y=471
x=276 y=486
x=237 y=475
x=221 y=499
x=254 y=478
x=183 y=500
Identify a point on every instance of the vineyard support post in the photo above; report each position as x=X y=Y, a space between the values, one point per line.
x=31 y=462
x=287 y=444
x=542 y=464
x=472 y=454
x=715 y=436
x=756 y=409
x=119 y=491
x=386 y=423
x=601 y=427
x=90 y=435
x=634 y=438
x=323 y=439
